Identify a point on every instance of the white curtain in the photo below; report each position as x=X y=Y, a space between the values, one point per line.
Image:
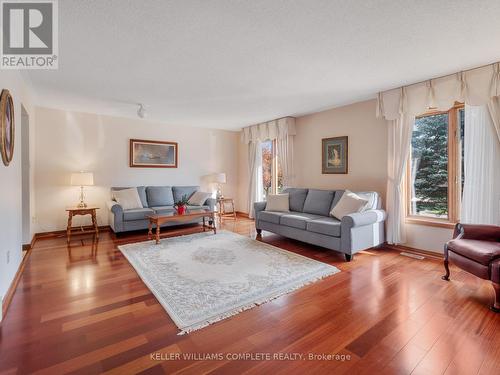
x=284 y=147
x=254 y=166
x=282 y=130
x=481 y=195
x=400 y=131
x=479 y=87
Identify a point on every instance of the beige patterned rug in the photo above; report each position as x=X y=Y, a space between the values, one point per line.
x=203 y=278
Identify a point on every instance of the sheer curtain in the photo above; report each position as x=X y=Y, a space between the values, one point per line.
x=254 y=167
x=481 y=194
x=283 y=131
x=399 y=106
x=400 y=132
x=284 y=147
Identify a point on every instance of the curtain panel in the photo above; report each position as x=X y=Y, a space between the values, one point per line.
x=282 y=130
x=477 y=87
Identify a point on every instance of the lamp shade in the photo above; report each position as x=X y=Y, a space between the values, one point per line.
x=219 y=178
x=82 y=179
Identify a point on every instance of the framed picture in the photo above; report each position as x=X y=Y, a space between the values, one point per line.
x=153 y=154
x=335 y=155
x=7 y=127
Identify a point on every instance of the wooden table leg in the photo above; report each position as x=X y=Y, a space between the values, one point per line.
x=204 y=228
x=94 y=222
x=68 y=230
x=215 y=226
x=157 y=232
x=150 y=229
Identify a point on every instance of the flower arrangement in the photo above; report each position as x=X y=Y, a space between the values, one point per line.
x=181 y=204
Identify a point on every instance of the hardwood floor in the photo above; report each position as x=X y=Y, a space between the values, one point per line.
x=384 y=313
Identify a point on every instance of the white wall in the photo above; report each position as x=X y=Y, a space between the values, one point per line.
x=11 y=184
x=71 y=141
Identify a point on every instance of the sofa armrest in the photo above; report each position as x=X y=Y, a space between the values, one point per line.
x=114 y=207
x=258 y=207
x=211 y=202
x=359 y=219
x=477 y=232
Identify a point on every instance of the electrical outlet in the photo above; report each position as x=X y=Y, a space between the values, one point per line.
x=8 y=256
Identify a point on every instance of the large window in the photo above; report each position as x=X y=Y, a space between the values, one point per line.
x=272 y=177
x=435 y=168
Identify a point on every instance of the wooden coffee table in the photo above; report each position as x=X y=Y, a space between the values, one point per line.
x=159 y=219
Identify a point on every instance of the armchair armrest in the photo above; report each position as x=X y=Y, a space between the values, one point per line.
x=359 y=219
x=258 y=207
x=477 y=232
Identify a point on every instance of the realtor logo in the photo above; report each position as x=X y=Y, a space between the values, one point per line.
x=29 y=34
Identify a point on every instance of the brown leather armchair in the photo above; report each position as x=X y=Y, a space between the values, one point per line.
x=476 y=249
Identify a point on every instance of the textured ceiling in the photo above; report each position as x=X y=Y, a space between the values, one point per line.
x=227 y=64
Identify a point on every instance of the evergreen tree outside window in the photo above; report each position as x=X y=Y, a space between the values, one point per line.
x=435 y=168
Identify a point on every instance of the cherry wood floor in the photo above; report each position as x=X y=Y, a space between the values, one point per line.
x=75 y=312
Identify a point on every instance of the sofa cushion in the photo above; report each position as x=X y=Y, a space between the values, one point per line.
x=142 y=194
x=326 y=225
x=197 y=207
x=480 y=251
x=128 y=198
x=318 y=202
x=297 y=220
x=349 y=203
x=199 y=198
x=180 y=191
x=277 y=203
x=160 y=196
x=137 y=214
x=163 y=209
x=270 y=217
x=297 y=197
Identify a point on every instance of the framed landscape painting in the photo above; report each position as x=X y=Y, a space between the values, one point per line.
x=335 y=155
x=153 y=154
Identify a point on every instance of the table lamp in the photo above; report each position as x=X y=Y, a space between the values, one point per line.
x=82 y=179
x=219 y=179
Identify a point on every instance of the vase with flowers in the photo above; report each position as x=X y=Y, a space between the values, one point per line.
x=180 y=205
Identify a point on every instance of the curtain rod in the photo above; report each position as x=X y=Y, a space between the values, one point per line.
x=443 y=76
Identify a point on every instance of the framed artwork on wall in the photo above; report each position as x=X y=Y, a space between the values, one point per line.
x=7 y=127
x=153 y=154
x=334 y=155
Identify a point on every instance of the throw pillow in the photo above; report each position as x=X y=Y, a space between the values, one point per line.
x=128 y=198
x=349 y=203
x=198 y=198
x=278 y=202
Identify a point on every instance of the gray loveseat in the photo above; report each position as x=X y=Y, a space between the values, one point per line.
x=154 y=199
x=309 y=221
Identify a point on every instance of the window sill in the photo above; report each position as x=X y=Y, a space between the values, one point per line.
x=430 y=222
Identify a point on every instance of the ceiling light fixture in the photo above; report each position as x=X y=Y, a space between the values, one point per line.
x=141 y=112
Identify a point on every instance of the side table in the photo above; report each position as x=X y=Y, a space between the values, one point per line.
x=222 y=209
x=78 y=211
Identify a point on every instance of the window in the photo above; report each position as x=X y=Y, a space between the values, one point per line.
x=272 y=176
x=435 y=169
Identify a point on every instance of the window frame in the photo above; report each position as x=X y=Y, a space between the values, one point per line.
x=454 y=174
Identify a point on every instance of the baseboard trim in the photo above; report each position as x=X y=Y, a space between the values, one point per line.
x=412 y=250
x=13 y=285
x=242 y=214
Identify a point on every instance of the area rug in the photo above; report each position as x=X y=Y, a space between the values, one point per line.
x=203 y=278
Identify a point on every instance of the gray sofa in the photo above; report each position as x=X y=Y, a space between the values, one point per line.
x=309 y=221
x=154 y=199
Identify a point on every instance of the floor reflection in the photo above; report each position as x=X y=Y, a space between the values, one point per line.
x=83 y=250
